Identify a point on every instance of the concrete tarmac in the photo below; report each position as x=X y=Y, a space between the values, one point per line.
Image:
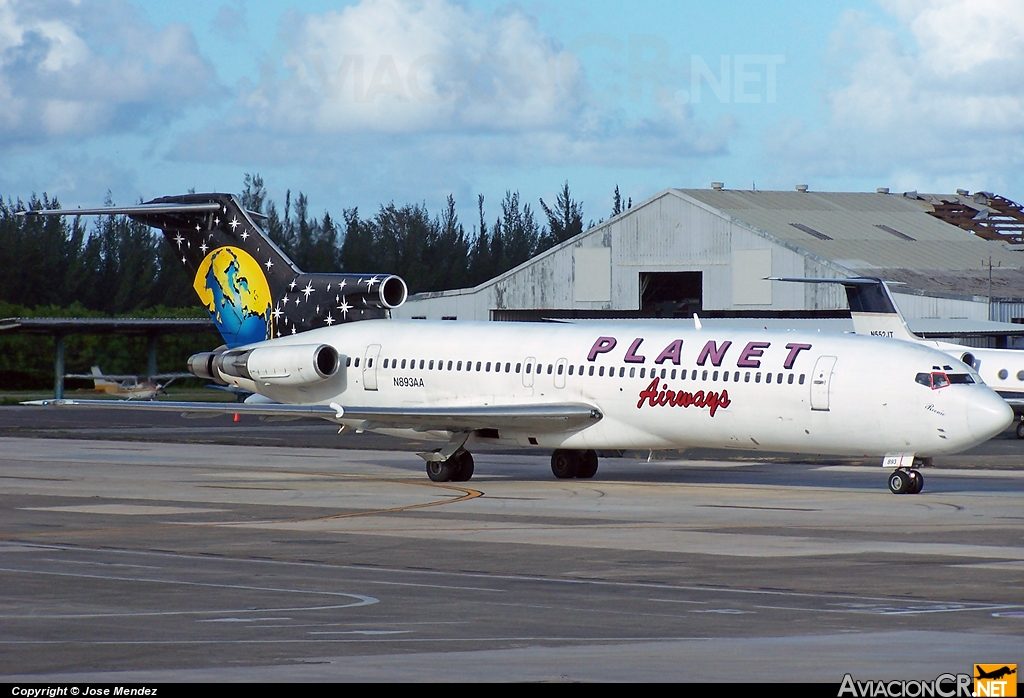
x=200 y=559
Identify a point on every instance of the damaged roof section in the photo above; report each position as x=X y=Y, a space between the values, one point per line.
x=988 y=216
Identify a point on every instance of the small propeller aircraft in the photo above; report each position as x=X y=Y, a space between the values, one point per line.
x=130 y=387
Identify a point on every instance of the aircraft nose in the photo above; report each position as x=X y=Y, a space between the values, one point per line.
x=987 y=414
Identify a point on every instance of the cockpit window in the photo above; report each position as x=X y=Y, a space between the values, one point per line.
x=940 y=379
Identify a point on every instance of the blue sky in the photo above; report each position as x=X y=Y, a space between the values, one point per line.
x=361 y=103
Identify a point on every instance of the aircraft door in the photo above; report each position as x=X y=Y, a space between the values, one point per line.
x=560 y=368
x=370 y=367
x=821 y=380
x=529 y=366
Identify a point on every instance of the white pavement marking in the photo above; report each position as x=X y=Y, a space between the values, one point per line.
x=125 y=509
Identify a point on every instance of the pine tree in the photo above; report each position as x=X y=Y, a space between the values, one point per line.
x=253 y=193
x=564 y=221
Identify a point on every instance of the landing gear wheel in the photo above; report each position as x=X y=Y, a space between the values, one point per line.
x=899 y=482
x=588 y=464
x=464 y=466
x=565 y=464
x=441 y=470
x=916 y=482
x=1020 y=429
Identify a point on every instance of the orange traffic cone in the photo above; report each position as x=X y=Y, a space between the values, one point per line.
x=237 y=418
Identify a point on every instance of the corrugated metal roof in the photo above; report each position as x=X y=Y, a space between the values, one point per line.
x=856 y=224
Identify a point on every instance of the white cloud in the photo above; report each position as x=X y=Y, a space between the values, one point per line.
x=79 y=68
x=430 y=65
x=937 y=100
x=442 y=81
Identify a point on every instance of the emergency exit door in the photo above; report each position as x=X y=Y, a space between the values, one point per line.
x=821 y=380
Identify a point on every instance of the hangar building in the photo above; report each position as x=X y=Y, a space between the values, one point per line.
x=709 y=251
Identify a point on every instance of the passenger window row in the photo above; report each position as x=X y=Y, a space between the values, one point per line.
x=599 y=371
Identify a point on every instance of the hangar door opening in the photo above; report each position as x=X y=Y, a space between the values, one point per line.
x=672 y=293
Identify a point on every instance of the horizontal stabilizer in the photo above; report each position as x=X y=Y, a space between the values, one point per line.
x=872 y=307
x=137 y=210
x=865 y=294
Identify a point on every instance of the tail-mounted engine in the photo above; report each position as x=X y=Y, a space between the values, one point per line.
x=294 y=365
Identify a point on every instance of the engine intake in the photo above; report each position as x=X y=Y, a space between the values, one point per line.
x=393 y=292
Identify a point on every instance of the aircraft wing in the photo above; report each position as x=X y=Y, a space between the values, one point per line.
x=541 y=418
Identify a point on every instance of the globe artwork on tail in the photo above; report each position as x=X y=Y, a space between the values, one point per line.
x=232 y=286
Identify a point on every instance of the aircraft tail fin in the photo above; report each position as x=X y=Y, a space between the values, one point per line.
x=250 y=287
x=99 y=381
x=872 y=308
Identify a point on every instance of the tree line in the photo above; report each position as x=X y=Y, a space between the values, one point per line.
x=432 y=253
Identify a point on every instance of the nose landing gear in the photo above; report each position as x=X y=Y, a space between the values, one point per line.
x=906 y=481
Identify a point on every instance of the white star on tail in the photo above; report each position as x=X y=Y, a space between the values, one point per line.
x=203 y=248
x=291 y=286
x=371 y=282
x=344 y=307
x=245 y=235
x=329 y=320
x=178 y=239
x=268 y=264
x=233 y=223
x=308 y=289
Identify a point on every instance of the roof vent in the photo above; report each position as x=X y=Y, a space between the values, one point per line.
x=882 y=190
x=963 y=192
x=717 y=186
x=801 y=188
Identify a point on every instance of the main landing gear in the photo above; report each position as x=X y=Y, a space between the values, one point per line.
x=458 y=468
x=567 y=464
x=1020 y=428
x=905 y=481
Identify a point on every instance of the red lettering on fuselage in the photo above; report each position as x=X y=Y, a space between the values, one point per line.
x=656 y=397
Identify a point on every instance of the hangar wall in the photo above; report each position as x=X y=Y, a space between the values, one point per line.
x=600 y=269
x=603 y=268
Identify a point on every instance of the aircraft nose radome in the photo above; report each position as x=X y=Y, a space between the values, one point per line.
x=987 y=414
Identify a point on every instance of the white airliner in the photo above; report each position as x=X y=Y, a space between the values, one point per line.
x=298 y=342
x=875 y=313
x=577 y=389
